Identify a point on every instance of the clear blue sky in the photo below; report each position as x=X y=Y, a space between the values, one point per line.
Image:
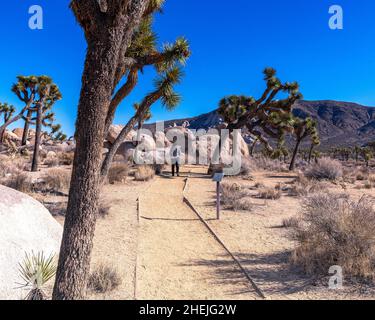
x=231 y=41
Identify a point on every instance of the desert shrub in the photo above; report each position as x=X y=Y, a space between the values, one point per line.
x=158 y=168
x=269 y=194
x=19 y=181
x=302 y=186
x=371 y=179
x=291 y=222
x=361 y=176
x=56 y=208
x=104 y=279
x=118 y=173
x=247 y=168
x=266 y=163
x=325 y=169
x=367 y=185
x=104 y=209
x=234 y=197
x=144 y=173
x=57 y=179
x=335 y=231
x=51 y=162
x=10 y=165
x=66 y=158
x=259 y=185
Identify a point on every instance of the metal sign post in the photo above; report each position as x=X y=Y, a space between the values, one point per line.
x=218 y=177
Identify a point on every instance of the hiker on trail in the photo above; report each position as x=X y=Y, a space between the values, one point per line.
x=176 y=159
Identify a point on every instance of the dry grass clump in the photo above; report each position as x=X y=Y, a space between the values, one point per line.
x=56 y=208
x=291 y=222
x=264 y=163
x=259 y=185
x=118 y=173
x=336 y=231
x=302 y=187
x=361 y=176
x=144 y=173
x=104 y=279
x=10 y=165
x=57 y=179
x=20 y=181
x=247 y=168
x=104 y=209
x=234 y=197
x=51 y=161
x=66 y=158
x=325 y=169
x=269 y=193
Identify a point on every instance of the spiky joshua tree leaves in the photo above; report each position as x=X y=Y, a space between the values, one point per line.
x=6 y=111
x=265 y=117
x=25 y=89
x=164 y=91
x=36 y=270
x=109 y=27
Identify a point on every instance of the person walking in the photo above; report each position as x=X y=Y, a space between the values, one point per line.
x=176 y=160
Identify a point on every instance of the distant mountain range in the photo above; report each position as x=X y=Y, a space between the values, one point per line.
x=340 y=123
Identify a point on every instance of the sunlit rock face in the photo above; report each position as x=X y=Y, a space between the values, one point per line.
x=26 y=226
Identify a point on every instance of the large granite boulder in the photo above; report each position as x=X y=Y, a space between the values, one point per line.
x=26 y=226
x=18 y=132
x=114 y=132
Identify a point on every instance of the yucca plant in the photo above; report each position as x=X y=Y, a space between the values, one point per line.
x=36 y=270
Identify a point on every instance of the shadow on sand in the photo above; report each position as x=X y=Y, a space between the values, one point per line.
x=271 y=273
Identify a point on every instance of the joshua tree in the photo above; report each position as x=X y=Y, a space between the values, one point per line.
x=367 y=155
x=266 y=116
x=142 y=53
x=357 y=152
x=164 y=92
x=301 y=130
x=109 y=27
x=48 y=93
x=6 y=111
x=26 y=90
x=315 y=142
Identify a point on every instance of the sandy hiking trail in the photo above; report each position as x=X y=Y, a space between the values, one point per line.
x=173 y=249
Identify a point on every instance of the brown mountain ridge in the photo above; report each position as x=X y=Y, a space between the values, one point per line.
x=341 y=124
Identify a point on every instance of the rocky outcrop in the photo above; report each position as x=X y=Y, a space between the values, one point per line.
x=114 y=132
x=26 y=226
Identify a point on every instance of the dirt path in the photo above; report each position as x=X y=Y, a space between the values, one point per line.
x=174 y=248
x=115 y=242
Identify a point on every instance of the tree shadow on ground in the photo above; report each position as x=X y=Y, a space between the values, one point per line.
x=271 y=272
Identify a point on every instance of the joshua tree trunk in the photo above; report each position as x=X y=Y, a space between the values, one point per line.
x=75 y=254
x=38 y=137
x=25 y=133
x=151 y=99
x=252 y=148
x=295 y=152
x=310 y=153
x=107 y=39
x=113 y=149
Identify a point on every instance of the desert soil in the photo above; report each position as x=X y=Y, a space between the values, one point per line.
x=163 y=251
